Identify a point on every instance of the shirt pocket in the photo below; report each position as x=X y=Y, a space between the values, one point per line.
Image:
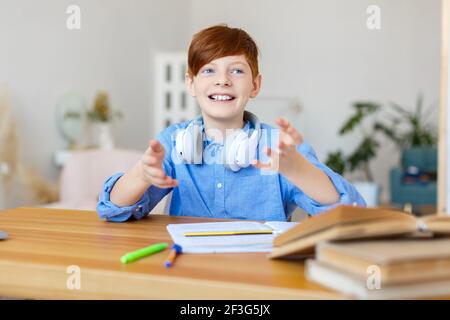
x=255 y=197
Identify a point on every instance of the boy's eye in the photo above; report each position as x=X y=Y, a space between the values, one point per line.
x=207 y=71
x=238 y=71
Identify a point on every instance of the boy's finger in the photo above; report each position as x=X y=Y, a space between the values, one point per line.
x=258 y=164
x=268 y=151
x=283 y=123
x=159 y=181
x=172 y=184
x=168 y=183
x=156 y=147
x=156 y=172
x=150 y=160
x=163 y=186
x=274 y=154
x=282 y=146
x=295 y=135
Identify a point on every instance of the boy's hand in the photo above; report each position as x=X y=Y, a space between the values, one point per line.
x=286 y=158
x=152 y=169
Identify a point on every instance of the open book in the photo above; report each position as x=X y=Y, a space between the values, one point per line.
x=227 y=243
x=347 y=222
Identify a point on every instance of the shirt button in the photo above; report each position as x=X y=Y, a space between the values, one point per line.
x=219 y=185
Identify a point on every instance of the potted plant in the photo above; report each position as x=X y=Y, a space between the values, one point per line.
x=412 y=132
x=359 y=160
x=101 y=116
x=415 y=180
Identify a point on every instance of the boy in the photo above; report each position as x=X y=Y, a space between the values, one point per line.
x=221 y=165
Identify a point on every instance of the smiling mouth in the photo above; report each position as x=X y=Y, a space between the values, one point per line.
x=221 y=98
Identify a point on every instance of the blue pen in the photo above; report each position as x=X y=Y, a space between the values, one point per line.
x=176 y=250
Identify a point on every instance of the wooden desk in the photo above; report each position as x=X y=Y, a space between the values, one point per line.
x=43 y=243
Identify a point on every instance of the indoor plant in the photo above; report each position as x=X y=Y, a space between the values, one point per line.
x=415 y=180
x=412 y=132
x=359 y=160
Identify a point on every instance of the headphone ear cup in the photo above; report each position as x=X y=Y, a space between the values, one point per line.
x=179 y=145
x=189 y=144
x=232 y=151
x=242 y=154
x=252 y=146
x=246 y=151
x=197 y=144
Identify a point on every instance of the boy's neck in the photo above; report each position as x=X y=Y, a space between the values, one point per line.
x=216 y=129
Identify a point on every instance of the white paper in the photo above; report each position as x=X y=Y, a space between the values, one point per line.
x=225 y=244
x=280 y=226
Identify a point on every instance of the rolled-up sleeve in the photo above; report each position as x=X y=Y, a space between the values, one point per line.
x=111 y=212
x=106 y=209
x=347 y=192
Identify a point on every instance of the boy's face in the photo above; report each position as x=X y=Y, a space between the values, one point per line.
x=223 y=87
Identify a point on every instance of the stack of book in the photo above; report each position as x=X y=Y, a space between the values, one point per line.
x=384 y=269
x=373 y=253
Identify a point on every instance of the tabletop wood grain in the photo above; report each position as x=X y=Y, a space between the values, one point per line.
x=43 y=243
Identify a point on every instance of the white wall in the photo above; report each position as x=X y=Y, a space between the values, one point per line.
x=322 y=52
x=317 y=50
x=41 y=59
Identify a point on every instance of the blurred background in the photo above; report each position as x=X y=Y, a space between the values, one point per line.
x=84 y=85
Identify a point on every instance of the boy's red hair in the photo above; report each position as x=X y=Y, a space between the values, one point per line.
x=221 y=41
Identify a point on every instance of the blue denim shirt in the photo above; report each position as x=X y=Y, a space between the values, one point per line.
x=211 y=190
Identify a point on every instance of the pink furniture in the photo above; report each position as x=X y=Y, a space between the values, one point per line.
x=84 y=173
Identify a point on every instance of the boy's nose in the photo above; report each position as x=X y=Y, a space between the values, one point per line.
x=222 y=80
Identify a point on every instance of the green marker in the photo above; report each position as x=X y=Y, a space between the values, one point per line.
x=141 y=253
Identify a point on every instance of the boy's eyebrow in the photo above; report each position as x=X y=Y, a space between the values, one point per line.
x=239 y=62
x=234 y=62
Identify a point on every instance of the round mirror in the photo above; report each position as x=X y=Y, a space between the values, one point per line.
x=71 y=118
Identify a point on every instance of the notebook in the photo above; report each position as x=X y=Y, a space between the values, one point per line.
x=227 y=244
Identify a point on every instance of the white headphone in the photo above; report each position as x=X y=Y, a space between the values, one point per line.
x=239 y=150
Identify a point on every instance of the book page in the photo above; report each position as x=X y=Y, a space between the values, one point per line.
x=222 y=244
x=280 y=226
x=436 y=224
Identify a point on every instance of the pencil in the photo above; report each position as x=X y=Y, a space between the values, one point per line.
x=176 y=250
x=226 y=233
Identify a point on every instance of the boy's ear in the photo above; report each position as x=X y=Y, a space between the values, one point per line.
x=256 y=86
x=189 y=84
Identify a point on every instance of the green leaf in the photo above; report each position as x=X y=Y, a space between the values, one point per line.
x=365 y=152
x=389 y=132
x=336 y=162
x=362 y=110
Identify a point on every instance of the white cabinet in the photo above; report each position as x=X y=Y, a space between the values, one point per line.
x=172 y=103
